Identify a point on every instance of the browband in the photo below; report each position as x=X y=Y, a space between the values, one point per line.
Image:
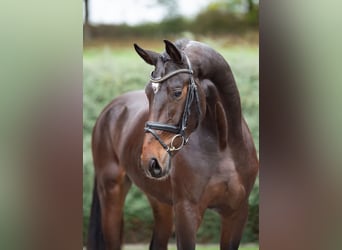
x=161 y=79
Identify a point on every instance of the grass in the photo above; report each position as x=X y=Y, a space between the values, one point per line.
x=198 y=247
x=109 y=71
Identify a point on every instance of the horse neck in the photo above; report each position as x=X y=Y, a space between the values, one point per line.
x=212 y=66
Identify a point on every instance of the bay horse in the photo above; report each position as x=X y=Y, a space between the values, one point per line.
x=184 y=143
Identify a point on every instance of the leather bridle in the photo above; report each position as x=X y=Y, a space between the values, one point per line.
x=178 y=130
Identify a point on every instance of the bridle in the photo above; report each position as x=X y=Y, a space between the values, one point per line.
x=178 y=130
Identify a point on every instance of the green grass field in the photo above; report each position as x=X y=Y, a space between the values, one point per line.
x=110 y=70
x=198 y=247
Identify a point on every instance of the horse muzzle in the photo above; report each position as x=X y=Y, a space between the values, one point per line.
x=156 y=165
x=154 y=168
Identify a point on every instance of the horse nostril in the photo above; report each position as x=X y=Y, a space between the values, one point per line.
x=154 y=168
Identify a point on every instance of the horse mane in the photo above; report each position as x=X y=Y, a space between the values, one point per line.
x=181 y=43
x=209 y=64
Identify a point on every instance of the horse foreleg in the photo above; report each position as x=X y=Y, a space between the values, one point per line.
x=112 y=192
x=188 y=219
x=232 y=228
x=163 y=221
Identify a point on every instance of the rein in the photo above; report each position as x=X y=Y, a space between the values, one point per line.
x=179 y=130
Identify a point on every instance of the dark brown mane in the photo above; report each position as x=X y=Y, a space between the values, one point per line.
x=208 y=64
x=181 y=43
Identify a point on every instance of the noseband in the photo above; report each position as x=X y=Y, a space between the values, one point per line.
x=179 y=130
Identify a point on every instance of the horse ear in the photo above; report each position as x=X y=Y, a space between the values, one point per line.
x=173 y=51
x=149 y=56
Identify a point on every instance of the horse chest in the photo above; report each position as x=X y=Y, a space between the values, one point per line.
x=225 y=191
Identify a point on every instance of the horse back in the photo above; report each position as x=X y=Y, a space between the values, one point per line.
x=123 y=117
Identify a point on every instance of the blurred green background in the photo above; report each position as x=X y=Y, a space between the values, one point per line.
x=111 y=67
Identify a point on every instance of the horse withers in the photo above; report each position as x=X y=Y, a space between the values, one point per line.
x=184 y=143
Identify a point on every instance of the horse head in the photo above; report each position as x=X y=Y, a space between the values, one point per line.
x=176 y=105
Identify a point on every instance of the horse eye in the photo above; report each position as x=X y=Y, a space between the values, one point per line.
x=177 y=93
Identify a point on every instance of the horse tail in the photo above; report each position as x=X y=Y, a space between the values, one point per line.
x=95 y=235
